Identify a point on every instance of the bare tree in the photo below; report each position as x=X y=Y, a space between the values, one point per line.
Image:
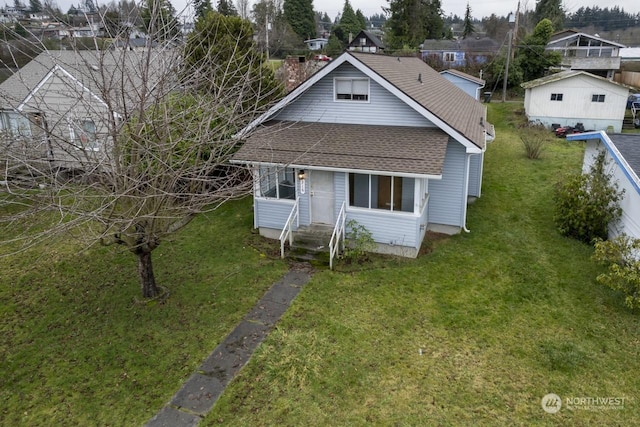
x=242 y=6
x=124 y=147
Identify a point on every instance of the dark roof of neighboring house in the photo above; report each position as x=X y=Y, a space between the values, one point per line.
x=472 y=43
x=629 y=146
x=372 y=37
x=463 y=75
x=348 y=147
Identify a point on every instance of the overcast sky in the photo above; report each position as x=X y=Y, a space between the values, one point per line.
x=479 y=9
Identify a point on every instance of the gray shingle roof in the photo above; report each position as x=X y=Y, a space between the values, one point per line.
x=464 y=75
x=629 y=146
x=394 y=149
x=561 y=76
x=434 y=93
x=99 y=71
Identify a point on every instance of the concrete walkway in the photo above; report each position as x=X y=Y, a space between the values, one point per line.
x=199 y=393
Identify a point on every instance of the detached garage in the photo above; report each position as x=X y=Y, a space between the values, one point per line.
x=571 y=97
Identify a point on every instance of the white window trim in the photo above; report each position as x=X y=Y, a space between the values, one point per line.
x=277 y=183
x=390 y=211
x=74 y=139
x=604 y=98
x=357 y=101
x=451 y=54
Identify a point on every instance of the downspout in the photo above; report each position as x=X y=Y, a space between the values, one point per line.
x=466 y=194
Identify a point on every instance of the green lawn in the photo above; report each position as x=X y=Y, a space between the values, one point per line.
x=473 y=332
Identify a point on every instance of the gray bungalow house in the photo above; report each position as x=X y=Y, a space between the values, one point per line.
x=384 y=141
x=54 y=112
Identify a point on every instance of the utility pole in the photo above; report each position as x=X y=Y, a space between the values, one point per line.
x=266 y=33
x=511 y=19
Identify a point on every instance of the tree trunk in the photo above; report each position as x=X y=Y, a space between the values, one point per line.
x=147 y=279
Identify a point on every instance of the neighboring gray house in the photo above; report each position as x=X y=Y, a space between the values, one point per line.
x=471 y=85
x=474 y=49
x=569 y=97
x=366 y=41
x=384 y=141
x=622 y=152
x=53 y=111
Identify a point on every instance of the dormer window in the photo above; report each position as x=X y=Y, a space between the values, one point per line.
x=351 y=89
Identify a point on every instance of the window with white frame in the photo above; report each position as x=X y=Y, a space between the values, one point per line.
x=597 y=98
x=556 y=97
x=277 y=182
x=351 y=89
x=449 y=56
x=391 y=193
x=14 y=124
x=84 y=134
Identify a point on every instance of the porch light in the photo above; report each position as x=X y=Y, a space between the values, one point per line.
x=301 y=180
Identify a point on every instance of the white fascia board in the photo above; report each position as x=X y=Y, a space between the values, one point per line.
x=470 y=146
x=70 y=76
x=613 y=150
x=330 y=169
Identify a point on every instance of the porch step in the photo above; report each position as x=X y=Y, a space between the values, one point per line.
x=313 y=238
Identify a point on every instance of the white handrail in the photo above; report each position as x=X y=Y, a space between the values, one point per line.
x=338 y=235
x=287 y=231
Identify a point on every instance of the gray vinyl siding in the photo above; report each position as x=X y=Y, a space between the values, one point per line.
x=272 y=213
x=62 y=101
x=475 y=174
x=469 y=87
x=304 y=205
x=446 y=199
x=388 y=228
x=383 y=108
x=340 y=187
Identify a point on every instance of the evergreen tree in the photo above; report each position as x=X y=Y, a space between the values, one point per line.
x=362 y=21
x=202 y=7
x=551 y=10
x=532 y=57
x=468 y=23
x=159 y=20
x=412 y=21
x=222 y=43
x=226 y=8
x=299 y=14
x=35 y=6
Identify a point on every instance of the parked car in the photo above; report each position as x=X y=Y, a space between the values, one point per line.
x=633 y=99
x=321 y=57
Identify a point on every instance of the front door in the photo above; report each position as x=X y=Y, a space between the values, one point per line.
x=322 y=197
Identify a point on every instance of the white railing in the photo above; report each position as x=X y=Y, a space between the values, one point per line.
x=336 y=244
x=287 y=231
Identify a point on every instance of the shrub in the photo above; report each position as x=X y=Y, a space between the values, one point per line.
x=534 y=137
x=359 y=241
x=585 y=204
x=621 y=255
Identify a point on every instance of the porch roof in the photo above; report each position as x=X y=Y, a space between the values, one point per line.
x=393 y=149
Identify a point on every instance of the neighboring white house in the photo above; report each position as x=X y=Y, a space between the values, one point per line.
x=571 y=97
x=468 y=83
x=623 y=157
x=385 y=141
